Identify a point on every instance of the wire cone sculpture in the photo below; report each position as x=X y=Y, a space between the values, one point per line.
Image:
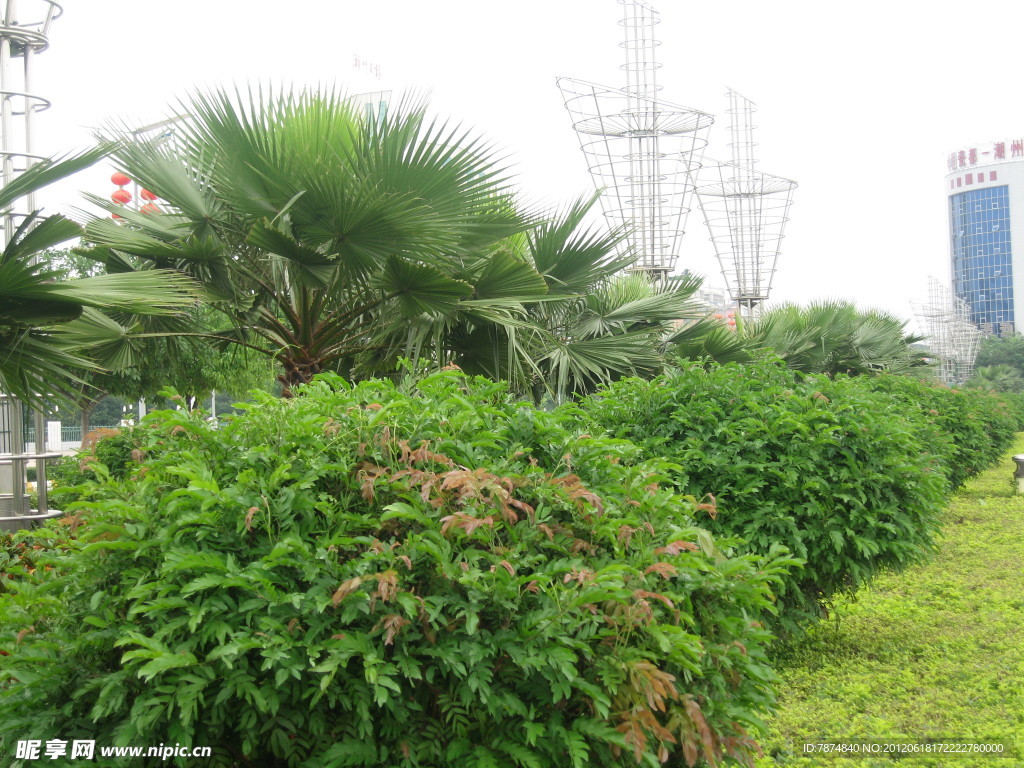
x=642 y=151
x=745 y=211
x=952 y=337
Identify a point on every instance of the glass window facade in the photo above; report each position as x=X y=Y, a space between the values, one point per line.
x=983 y=257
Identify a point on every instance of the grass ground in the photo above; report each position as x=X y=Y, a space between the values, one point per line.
x=933 y=653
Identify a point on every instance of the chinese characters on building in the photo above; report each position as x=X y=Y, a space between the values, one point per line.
x=975 y=155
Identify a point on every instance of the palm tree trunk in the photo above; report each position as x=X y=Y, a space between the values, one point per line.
x=297 y=370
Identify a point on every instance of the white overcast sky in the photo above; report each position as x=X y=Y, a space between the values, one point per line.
x=860 y=103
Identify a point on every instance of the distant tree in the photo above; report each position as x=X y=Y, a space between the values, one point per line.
x=1005 y=350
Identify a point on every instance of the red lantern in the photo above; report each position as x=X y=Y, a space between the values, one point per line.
x=122 y=196
x=120 y=180
x=147 y=195
x=149 y=208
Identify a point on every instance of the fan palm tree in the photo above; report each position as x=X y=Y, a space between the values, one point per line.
x=996 y=378
x=834 y=337
x=330 y=242
x=827 y=337
x=593 y=324
x=50 y=327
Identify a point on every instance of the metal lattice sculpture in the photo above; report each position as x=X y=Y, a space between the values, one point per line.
x=642 y=151
x=745 y=212
x=952 y=337
x=22 y=37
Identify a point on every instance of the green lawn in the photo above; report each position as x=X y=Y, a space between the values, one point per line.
x=936 y=652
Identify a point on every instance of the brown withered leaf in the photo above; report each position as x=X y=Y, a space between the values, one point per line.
x=391 y=624
x=707 y=738
x=248 y=517
x=407 y=560
x=662 y=569
x=582 y=576
x=711 y=507
x=675 y=547
x=23 y=633
x=346 y=589
x=464 y=522
x=581 y=545
x=643 y=593
x=387 y=585
x=367 y=476
x=656 y=685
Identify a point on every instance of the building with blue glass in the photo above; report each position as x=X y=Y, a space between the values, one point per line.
x=986 y=220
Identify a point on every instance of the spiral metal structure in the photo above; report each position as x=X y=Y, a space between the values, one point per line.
x=641 y=151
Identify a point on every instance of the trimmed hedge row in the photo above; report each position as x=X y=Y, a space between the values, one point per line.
x=437 y=575
x=851 y=474
x=974 y=428
x=368 y=575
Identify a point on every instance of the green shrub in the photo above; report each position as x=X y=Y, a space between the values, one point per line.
x=981 y=425
x=1015 y=402
x=113 y=456
x=372 y=576
x=829 y=468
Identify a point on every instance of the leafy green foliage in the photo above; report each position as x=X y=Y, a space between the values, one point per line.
x=593 y=325
x=327 y=241
x=1002 y=350
x=829 y=468
x=980 y=425
x=51 y=329
x=113 y=456
x=402 y=575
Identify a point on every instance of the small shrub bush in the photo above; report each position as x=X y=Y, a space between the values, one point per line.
x=829 y=468
x=111 y=453
x=980 y=425
x=375 y=576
